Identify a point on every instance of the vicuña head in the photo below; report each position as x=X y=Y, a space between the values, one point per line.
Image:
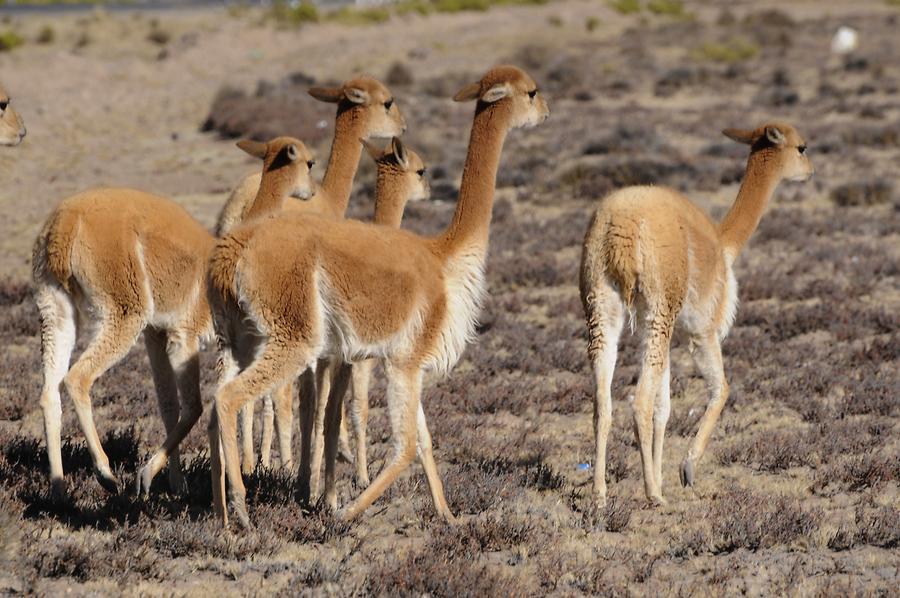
x=780 y=145
x=12 y=129
x=524 y=106
x=365 y=99
x=401 y=173
x=287 y=162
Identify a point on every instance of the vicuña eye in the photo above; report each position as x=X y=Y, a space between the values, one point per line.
x=388 y=104
x=421 y=172
x=801 y=148
x=311 y=163
x=4 y=104
x=532 y=93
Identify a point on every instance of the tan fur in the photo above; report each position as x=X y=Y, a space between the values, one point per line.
x=361 y=290
x=119 y=262
x=12 y=128
x=365 y=109
x=652 y=255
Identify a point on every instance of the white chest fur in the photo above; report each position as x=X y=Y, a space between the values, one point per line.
x=465 y=288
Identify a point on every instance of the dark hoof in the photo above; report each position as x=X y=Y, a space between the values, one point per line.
x=108 y=481
x=687 y=473
x=58 y=491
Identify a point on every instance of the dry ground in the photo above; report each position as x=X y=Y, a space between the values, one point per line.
x=798 y=493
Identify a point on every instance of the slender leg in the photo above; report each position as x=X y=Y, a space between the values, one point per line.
x=661 y=410
x=333 y=413
x=268 y=429
x=117 y=334
x=215 y=467
x=284 y=420
x=326 y=370
x=307 y=392
x=426 y=456
x=183 y=358
x=605 y=316
x=656 y=359
x=277 y=364
x=359 y=416
x=58 y=332
x=708 y=358
x=167 y=398
x=248 y=459
x=227 y=368
x=404 y=391
x=344 y=452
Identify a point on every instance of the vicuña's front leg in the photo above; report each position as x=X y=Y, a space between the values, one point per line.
x=426 y=456
x=708 y=358
x=333 y=414
x=359 y=415
x=404 y=390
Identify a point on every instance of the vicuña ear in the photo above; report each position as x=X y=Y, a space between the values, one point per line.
x=739 y=135
x=774 y=135
x=497 y=92
x=256 y=149
x=356 y=95
x=292 y=152
x=468 y=93
x=332 y=95
x=400 y=153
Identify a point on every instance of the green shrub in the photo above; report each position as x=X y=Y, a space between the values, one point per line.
x=728 y=52
x=10 y=40
x=672 y=8
x=591 y=23
x=366 y=16
x=47 y=35
x=305 y=12
x=625 y=7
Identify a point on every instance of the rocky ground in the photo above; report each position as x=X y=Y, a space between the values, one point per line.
x=798 y=493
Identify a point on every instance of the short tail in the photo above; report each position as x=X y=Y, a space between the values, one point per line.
x=612 y=249
x=223 y=266
x=52 y=254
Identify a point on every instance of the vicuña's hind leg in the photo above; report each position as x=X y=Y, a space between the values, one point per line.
x=708 y=358
x=274 y=367
x=167 y=396
x=605 y=316
x=268 y=432
x=661 y=409
x=183 y=359
x=359 y=416
x=333 y=415
x=227 y=368
x=58 y=333
x=656 y=362
x=284 y=422
x=248 y=459
x=116 y=335
x=404 y=392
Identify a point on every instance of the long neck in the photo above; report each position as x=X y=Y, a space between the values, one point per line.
x=343 y=161
x=390 y=199
x=742 y=219
x=472 y=218
x=273 y=190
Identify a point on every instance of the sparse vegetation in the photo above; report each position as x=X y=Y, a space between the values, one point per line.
x=728 y=52
x=9 y=40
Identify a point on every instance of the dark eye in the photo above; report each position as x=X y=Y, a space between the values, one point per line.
x=532 y=93
x=421 y=172
x=801 y=148
x=4 y=104
x=311 y=163
x=388 y=104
